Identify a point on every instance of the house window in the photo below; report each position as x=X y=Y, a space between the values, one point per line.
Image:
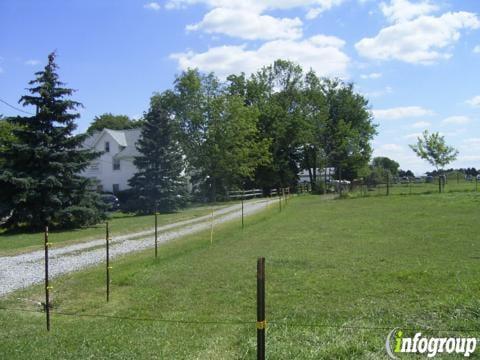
x=116 y=164
x=116 y=188
x=107 y=146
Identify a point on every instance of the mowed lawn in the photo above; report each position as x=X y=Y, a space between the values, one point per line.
x=340 y=275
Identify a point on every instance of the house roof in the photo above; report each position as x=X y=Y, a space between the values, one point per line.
x=118 y=136
x=130 y=150
x=125 y=138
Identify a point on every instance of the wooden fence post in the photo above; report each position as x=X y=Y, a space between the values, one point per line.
x=261 y=322
x=47 y=286
x=107 y=256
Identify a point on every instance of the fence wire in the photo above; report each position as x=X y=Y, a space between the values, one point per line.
x=284 y=323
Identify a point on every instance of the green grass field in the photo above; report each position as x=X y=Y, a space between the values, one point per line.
x=413 y=188
x=120 y=224
x=340 y=275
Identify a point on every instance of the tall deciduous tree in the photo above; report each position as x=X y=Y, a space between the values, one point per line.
x=39 y=178
x=114 y=122
x=232 y=149
x=159 y=182
x=220 y=133
x=386 y=163
x=349 y=129
x=433 y=148
x=276 y=91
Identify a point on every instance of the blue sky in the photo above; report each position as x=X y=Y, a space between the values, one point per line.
x=416 y=61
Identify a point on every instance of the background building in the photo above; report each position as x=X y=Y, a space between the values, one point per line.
x=114 y=167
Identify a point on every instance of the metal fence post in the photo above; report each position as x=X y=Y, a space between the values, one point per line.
x=107 y=256
x=156 y=232
x=211 y=229
x=243 y=196
x=47 y=286
x=388 y=184
x=261 y=322
x=280 y=200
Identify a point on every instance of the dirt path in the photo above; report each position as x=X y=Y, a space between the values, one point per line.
x=24 y=270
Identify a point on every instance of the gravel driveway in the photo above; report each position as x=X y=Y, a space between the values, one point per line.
x=23 y=270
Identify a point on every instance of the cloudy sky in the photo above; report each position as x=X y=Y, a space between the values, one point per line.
x=416 y=61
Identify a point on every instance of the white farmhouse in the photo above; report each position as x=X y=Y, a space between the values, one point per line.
x=114 y=167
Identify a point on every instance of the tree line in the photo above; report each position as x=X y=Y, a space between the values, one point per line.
x=241 y=132
x=262 y=130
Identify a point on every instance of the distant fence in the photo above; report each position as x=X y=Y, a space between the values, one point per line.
x=437 y=184
x=245 y=194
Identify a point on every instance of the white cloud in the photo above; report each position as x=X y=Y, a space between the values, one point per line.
x=413 y=136
x=456 y=120
x=152 y=6
x=402 y=154
x=404 y=10
x=379 y=93
x=401 y=113
x=313 y=13
x=32 y=62
x=476 y=49
x=421 y=125
x=471 y=145
x=323 y=5
x=371 y=76
x=475 y=101
x=391 y=147
x=423 y=40
x=262 y=4
x=247 y=24
x=321 y=53
x=313 y=7
x=456 y=132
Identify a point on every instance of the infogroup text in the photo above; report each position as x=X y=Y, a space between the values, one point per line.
x=397 y=343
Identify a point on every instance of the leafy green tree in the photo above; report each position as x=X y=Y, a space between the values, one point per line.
x=308 y=123
x=7 y=128
x=220 y=134
x=114 y=122
x=232 y=149
x=276 y=91
x=159 y=182
x=315 y=113
x=39 y=178
x=432 y=148
x=386 y=163
x=349 y=129
x=406 y=173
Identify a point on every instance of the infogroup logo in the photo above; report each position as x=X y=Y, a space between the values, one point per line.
x=396 y=343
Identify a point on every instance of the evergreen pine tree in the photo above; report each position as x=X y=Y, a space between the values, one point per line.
x=159 y=182
x=39 y=180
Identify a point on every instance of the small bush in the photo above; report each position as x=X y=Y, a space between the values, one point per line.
x=319 y=188
x=345 y=195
